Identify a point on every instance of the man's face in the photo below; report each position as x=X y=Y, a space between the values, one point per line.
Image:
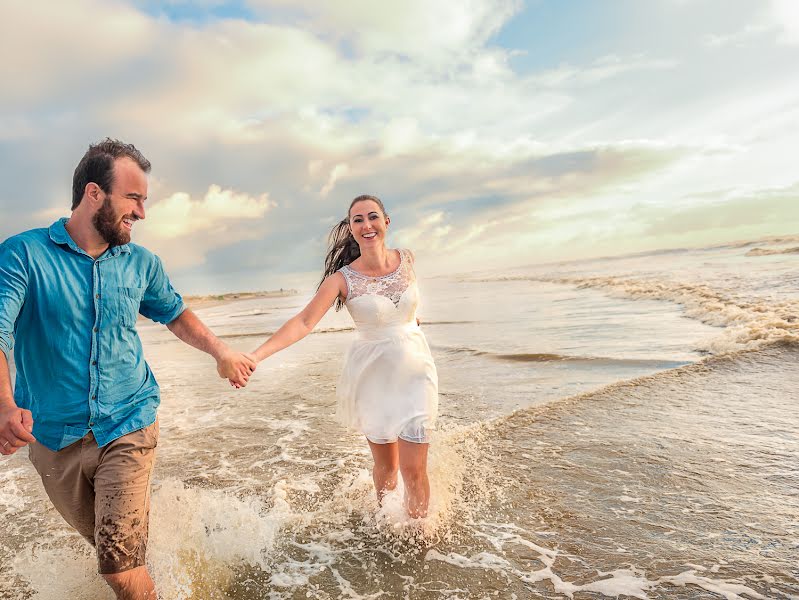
x=124 y=205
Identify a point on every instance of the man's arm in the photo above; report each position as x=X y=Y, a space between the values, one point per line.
x=16 y=424
x=230 y=364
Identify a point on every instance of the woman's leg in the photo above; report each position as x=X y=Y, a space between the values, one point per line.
x=384 y=472
x=413 y=466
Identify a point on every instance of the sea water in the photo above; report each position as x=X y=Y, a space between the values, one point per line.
x=621 y=427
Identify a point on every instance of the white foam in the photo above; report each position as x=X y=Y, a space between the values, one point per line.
x=622 y=582
x=56 y=573
x=727 y=589
x=12 y=500
x=748 y=322
x=197 y=536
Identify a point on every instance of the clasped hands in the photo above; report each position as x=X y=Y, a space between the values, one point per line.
x=236 y=367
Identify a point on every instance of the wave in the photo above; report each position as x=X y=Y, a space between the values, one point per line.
x=594 y=360
x=779 y=352
x=264 y=334
x=249 y=313
x=770 y=251
x=541 y=357
x=328 y=330
x=748 y=322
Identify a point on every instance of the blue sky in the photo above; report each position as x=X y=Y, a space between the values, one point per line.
x=498 y=132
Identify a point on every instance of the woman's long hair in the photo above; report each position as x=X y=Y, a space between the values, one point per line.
x=342 y=248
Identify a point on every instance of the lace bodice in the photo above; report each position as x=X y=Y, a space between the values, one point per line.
x=366 y=296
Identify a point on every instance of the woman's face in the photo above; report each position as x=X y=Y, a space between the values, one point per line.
x=368 y=224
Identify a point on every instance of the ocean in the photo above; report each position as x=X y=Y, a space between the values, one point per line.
x=620 y=427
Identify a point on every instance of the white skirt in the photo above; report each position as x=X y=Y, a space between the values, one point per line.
x=389 y=386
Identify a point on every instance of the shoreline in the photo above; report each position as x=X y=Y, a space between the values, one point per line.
x=211 y=300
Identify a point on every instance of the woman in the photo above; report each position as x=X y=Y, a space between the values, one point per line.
x=389 y=387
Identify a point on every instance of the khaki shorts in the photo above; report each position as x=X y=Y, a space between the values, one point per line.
x=104 y=493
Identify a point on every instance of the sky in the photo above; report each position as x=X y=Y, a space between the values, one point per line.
x=498 y=133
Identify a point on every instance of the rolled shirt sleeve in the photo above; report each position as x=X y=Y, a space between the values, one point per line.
x=13 y=290
x=161 y=302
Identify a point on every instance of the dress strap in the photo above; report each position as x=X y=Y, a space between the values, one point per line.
x=349 y=274
x=407 y=260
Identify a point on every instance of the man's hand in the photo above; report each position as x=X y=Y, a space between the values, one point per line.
x=236 y=367
x=254 y=360
x=16 y=425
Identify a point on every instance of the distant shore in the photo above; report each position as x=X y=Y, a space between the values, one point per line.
x=211 y=300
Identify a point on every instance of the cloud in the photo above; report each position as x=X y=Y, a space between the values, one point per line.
x=738 y=37
x=340 y=170
x=186 y=229
x=484 y=144
x=436 y=30
x=764 y=210
x=601 y=69
x=785 y=15
x=428 y=232
x=778 y=20
x=46 y=58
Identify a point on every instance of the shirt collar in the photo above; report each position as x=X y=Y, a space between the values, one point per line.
x=59 y=234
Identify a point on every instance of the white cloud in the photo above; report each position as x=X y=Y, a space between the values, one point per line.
x=437 y=31
x=426 y=235
x=778 y=21
x=180 y=215
x=186 y=229
x=52 y=48
x=400 y=135
x=339 y=171
x=601 y=69
x=785 y=14
x=738 y=37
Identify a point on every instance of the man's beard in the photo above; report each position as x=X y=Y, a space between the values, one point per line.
x=108 y=226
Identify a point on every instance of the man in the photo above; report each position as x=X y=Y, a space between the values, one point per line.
x=85 y=399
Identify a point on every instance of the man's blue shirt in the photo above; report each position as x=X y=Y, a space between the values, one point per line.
x=80 y=362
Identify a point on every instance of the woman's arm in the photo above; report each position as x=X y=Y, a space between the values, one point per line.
x=301 y=324
x=412 y=256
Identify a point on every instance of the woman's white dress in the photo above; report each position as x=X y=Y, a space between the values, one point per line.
x=389 y=386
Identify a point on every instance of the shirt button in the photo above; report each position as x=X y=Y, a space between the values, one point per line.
x=96 y=330
x=94 y=362
x=97 y=295
x=94 y=397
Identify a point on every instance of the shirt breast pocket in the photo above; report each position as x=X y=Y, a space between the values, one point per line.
x=129 y=302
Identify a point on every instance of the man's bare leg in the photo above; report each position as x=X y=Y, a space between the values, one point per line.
x=135 y=584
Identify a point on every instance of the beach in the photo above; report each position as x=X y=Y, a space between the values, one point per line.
x=617 y=427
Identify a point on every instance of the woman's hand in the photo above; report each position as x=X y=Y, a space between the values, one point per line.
x=236 y=367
